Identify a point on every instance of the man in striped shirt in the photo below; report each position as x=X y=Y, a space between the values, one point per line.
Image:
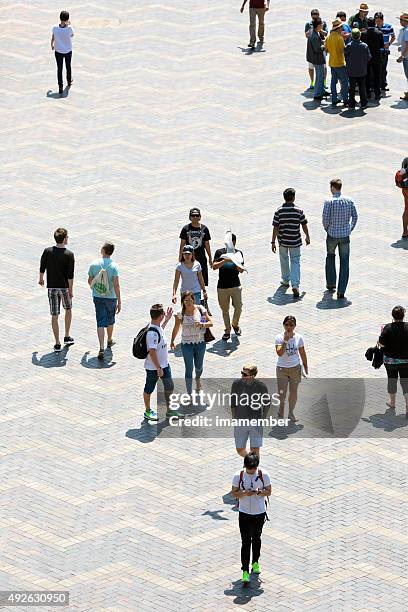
x=286 y=228
x=339 y=220
x=389 y=38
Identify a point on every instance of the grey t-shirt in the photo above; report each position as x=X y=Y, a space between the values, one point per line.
x=189 y=276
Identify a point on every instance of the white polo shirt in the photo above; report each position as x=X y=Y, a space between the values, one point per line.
x=63 y=38
x=160 y=344
x=253 y=504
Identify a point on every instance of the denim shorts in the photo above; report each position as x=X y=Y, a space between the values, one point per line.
x=253 y=432
x=152 y=378
x=105 y=309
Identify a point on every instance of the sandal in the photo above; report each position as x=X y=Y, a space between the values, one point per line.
x=292 y=417
x=390 y=406
x=281 y=415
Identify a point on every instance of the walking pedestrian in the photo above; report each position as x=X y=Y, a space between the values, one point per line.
x=287 y=221
x=389 y=38
x=103 y=279
x=257 y=9
x=339 y=219
x=402 y=182
x=197 y=235
x=193 y=320
x=403 y=49
x=374 y=38
x=357 y=56
x=334 y=45
x=394 y=341
x=315 y=56
x=315 y=14
x=250 y=487
x=190 y=272
x=157 y=362
x=229 y=285
x=290 y=348
x=59 y=262
x=250 y=400
x=61 y=44
x=359 y=20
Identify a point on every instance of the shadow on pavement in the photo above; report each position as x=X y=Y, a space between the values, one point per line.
x=51 y=360
x=215 y=515
x=56 y=95
x=147 y=432
x=389 y=421
x=281 y=298
x=402 y=243
x=224 y=348
x=328 y=302
x=98 y=364
x=243 y=594
x=282 y=432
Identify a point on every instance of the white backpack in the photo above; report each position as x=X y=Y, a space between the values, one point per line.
x=100 y=282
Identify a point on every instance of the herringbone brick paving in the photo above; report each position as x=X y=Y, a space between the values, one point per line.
x=168 y=111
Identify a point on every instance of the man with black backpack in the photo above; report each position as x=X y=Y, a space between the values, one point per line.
x=250 y=487
x=151 y=341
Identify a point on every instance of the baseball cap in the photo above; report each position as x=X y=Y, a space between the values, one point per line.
x=195 y=211
x=188 y=249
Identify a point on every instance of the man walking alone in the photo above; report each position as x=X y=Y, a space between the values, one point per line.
x=339 y=220
x=286 y=228
x=257 y=9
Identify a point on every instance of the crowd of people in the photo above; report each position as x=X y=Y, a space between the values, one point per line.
x=358 y=51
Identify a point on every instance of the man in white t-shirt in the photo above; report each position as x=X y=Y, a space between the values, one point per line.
x=61 y=43
x=157 y=361
x=250 y=487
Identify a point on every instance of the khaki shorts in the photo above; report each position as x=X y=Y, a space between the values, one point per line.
x=288 y=376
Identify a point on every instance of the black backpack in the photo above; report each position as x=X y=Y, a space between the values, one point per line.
x=139 y=343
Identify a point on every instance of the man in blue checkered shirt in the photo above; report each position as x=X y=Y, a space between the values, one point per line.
x=339 y=220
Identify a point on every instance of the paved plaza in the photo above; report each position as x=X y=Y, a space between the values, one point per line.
x=169 y=111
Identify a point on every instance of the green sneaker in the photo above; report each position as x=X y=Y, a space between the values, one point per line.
x=325 y=85
x=174 y=413
x=245 y=577
x=256 y=568
x=150 y=415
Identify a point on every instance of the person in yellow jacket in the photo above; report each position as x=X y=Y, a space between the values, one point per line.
x=334 y=45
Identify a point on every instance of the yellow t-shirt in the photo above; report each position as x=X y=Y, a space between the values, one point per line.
x=334 y=45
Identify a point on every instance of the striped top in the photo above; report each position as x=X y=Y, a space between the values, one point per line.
x=339 y=216
x=387 y=31
x=288 y=218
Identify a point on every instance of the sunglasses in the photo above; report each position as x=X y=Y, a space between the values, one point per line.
x=246 y=375
x=195 y=216
x=289 y=325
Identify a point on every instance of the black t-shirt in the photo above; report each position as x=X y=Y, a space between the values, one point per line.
x=196 y=237
x=59 y=264
x=228 y=273
x=394 y=338
x=253 y=399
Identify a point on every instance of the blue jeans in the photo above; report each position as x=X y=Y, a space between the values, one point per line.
x=405 y=66
x=344 y=254
x=193 y=355
x=105 y=309
x=339 y=74
x=290 y=272
x=152 y=378
x=319 y=80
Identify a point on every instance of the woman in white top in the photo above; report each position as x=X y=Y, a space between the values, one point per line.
x=193 y=320
x=191 y=276
x=290 y=350
x=61 y=43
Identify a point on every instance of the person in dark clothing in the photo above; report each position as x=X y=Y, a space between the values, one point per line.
x=394 y=340
x=59 y=264
x=197 y=235
x=250 y=399
x=357 y=56
x=375 y=40
x=315 y=56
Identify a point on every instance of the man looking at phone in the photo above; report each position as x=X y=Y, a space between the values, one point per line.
x=250 y=487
